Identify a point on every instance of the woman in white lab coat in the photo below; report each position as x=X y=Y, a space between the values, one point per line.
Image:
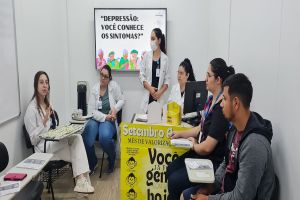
x=154 y=71
x=105 y=102
x=185 y=73
x=38 y=119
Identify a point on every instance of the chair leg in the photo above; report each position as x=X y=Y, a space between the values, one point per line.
x=72 y=173
x=51 y=188
x=101 y=165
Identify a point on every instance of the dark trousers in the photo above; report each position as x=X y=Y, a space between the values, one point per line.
x=177 y=176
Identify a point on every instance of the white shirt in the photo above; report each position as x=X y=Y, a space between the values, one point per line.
x=116 y=100
x=146 y=75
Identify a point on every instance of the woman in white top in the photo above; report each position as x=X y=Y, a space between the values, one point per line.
x=38 y=120
x=185 y=73
x=105 y=102
x=154 y=71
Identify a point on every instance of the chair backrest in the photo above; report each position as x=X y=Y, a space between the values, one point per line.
x=119 y=117
x=4 y=157
x=27 y=139
x=54 y=119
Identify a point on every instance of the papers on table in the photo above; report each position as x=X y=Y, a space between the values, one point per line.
x=182 y=143
x=141 y=118
x=62 y=131
x=9 y=187
x=200 y=170
x=30 y=163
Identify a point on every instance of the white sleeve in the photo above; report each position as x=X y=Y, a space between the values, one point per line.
x=167 y=74
x=93 y=110
x=119 y=98
x=143 y=66
x=34 y=125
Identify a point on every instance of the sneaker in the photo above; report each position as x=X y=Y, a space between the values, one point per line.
x=83 y=186
x=81 y=195
x=94 y=170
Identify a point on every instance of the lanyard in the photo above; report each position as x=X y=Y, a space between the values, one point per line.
x=206 y=113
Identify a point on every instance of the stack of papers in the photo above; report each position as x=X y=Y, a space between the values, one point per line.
x=62 y=131
x=9 y=188
x=200 y=170
x=182 y=143
x=31 y=163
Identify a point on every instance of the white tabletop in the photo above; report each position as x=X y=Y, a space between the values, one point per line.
x=31 y=173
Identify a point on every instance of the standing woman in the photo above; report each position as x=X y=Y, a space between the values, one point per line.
x=105 y=102
x=154 y=72
x=38 y=120
x=185 y=73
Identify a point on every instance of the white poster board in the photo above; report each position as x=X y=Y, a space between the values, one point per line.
x=9 y=78
x=121 y=31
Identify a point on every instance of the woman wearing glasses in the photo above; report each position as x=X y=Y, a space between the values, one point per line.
x=208 y=138
x=185 y=73
x=105 y=102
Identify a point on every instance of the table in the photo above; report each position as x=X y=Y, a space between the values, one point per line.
x=31 y=173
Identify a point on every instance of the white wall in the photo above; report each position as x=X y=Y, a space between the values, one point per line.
x=187 y=33
x=264 y=43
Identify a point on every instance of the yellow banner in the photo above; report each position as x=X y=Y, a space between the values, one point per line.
x=145 y=154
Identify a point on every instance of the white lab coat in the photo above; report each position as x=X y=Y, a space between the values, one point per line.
x=146 y=75
x=69 y=149
x=116 y=100
x=175 y=96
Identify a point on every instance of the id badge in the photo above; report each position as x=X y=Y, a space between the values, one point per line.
x=99 y=105
x=157 y=72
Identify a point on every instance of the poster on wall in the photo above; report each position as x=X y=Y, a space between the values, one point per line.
x=122 y=36
x=145 y=154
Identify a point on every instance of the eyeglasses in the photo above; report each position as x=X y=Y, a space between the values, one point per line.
x=104 y=76
x=209 y=75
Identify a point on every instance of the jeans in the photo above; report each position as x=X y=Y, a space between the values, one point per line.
x=106 y=133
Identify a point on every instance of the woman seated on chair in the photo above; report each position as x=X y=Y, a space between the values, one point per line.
x=38 y=120
x=208 y=138
x=105 y=101
x=185 y=73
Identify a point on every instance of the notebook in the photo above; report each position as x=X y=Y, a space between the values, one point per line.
x=182 y=143
x=200 y=170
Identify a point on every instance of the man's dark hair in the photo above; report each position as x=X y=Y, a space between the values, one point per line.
x=239 y=85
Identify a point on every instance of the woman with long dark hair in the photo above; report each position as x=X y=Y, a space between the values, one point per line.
x=185 y=73
x=154 y=71
x=38 y=120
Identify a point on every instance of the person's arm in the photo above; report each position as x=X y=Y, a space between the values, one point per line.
x=120 y=100
x=34 y=125
x=206 y=147
x=142 y=75
x=252 y=163
x=216 y=133
x=156 y=95
x=193 y=132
